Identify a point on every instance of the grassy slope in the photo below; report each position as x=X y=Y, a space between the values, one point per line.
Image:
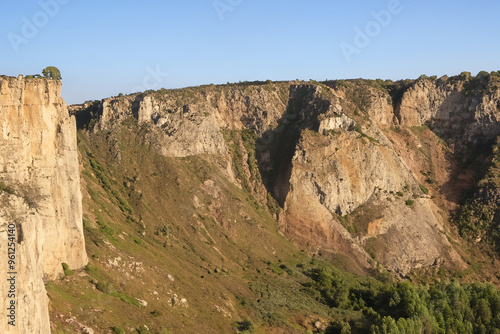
x=141 y=225
x=223 y=250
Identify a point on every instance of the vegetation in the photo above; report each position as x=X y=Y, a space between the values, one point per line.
x=242 y=143
x=364 y=135
x=202 y=238
x=51 y=72
x=409 y=202
x=478 y=218
x=386 y=307
x=424 y=189
x=67 y=271
x=246 y=326
x=33 y=76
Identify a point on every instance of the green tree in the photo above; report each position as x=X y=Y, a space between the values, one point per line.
x=52 y=72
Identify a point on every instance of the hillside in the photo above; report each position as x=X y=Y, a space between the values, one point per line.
x=286 y=207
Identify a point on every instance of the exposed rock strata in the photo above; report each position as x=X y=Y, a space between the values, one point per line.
x=325 y=155
x=39 y=166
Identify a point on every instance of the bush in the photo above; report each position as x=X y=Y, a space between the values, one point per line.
x=465 y=76
x=118 y=330
x=410 y=202
x=67 y=271
x=246 y=326
x=338 y=327
x=483 y=74
x=142 y=330
x=104 y=286
x=52 y=72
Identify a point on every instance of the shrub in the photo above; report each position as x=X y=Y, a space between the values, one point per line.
x=142 y=330
x=51 y=72
x=67 y=271
x=465 y=76
x=104 y=286
x=246 y=326
x=410 y=202
x=118 y=330
x=483 y=74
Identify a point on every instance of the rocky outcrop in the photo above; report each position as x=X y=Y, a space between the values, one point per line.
x=335 y=176
x=327 y=153
x=40 y=182
x=464 y=112
x=179 y=116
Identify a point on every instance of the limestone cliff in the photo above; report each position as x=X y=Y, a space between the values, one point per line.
x=463 y=111
x=40 y=183
x=349 y=162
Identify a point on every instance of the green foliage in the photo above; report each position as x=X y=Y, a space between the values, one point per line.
x=479 y=217
x=445 y=307
x=104 y=286
x=125 y=298
x=339 y=327
x=67 y=271
x=358 y=129
x=245 y=326
x=424 y=189
x=246 y=138
x=118 y=330
x=483 y=74
x=465 y=76
x=423 y=77
x=409 y=202
x=482 y=84
x=272 y=204
x=142 y=330
x=51 y=72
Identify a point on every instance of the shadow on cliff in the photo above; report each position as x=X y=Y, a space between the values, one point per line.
x=275 y=148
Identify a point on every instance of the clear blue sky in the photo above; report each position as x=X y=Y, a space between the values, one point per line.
x=108 y=47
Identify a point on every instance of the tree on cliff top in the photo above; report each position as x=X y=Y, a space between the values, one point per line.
x=52 y=72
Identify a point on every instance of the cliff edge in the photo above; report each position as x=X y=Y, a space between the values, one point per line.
x=41 y=211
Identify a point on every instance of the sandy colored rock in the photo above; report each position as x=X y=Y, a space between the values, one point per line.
x=39 y=164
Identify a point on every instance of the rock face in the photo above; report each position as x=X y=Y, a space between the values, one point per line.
x=343 y=160
x=465 y=112
x=177 y=117
x=40 y=182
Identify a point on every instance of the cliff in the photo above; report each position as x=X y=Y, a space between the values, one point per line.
x=353 y=164
x=40 y=183
x=189 y=194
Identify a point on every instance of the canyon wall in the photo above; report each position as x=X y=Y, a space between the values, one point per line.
x=350 y=163
x=40 y=196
